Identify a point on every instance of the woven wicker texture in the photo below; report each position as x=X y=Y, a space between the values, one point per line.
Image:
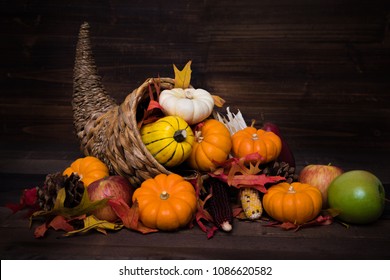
x=105 y=129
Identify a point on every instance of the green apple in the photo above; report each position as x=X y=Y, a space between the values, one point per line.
x=359 y=196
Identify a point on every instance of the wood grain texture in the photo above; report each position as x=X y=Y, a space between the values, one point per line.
x=319 y=70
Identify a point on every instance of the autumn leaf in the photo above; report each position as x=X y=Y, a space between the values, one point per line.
x=57 y=223
x=91 y=222
x=154 y=110
x=28 y=199
x=321 y=220
x=203 y=218
x=129 y=215
x=236 y=173
x=85 y=206
x=183 y=77
x=218 y=101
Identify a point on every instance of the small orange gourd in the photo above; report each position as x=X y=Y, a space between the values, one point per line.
x=251 y=140
x=88 y=168
x=212 y=145
x=296 y=203
x=166 y=202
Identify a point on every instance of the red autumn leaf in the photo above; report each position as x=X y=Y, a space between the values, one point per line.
x=57 y=223
x=28 y=199
x=204 y=219
x=40 y=230
x=237 y=173
x=253 y=181
x=319 y=221
x=237 y=211
x=154 y=110
x=129 y=216
x=61 y=223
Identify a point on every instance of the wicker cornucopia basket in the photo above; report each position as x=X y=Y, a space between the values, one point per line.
x=105 y=129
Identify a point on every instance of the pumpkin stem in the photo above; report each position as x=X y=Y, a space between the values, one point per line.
x=198 y=136
x=188 y=94
x=291 y=189
x=253 y=123
x=164 y=195
x=255 y=136
x=180 y=135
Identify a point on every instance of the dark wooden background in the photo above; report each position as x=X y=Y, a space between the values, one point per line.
x=319 y=69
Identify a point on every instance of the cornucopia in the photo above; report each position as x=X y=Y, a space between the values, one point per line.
x=230 y=170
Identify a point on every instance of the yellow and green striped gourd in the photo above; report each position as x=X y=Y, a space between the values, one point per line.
x=169 y=140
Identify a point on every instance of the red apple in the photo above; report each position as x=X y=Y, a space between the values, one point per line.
x=320 y=176
x=110 y=187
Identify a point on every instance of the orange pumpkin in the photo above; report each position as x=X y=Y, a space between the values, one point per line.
x=166 y=202
x=88 y=168
x=212 y=145
x=297 y=203
x=250 y=140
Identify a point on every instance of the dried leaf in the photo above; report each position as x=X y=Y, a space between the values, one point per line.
x=236 y=173
x=183 y=77
x=154 y=110
x=91 y=222
x=319 y=221
x=202 y=217
x=57 y=223
x=40 y=230
x=218 y=101
x=205 y=222
x=238 y=212
x=129 y=216
x=85 y=206
x=28 y=198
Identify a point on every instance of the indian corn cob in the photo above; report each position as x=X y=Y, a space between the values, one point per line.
x=218 y=204
x=251 y=203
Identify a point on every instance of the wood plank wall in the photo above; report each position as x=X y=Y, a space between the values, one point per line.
x=319 y=69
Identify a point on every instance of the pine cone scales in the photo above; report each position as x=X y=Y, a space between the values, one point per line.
x=47 y=194
x=283 y=169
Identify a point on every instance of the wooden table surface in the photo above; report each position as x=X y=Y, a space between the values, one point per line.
x=320 y=70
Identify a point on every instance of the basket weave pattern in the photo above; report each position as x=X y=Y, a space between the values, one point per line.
x=105 y=129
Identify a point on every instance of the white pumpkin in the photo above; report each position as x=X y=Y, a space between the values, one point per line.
x=192 y=105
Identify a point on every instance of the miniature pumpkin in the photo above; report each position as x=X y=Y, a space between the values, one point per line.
x=193 y=105
x=89 y=169
x=297 y=203
x=212 y=145
x=169 y=140
x=250 y=140
x=166 y=202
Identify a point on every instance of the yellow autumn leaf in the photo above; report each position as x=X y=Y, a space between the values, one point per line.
x=183 y=77
x=86 y=206
x=218 y=101
x=91 y=222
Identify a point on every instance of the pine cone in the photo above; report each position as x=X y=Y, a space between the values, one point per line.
x=276 y=168
x=47 y=194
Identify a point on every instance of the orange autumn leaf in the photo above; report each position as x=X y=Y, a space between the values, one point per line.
x=183 y=77
x=218 y=101
x=57 y=223
x=129 y=216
